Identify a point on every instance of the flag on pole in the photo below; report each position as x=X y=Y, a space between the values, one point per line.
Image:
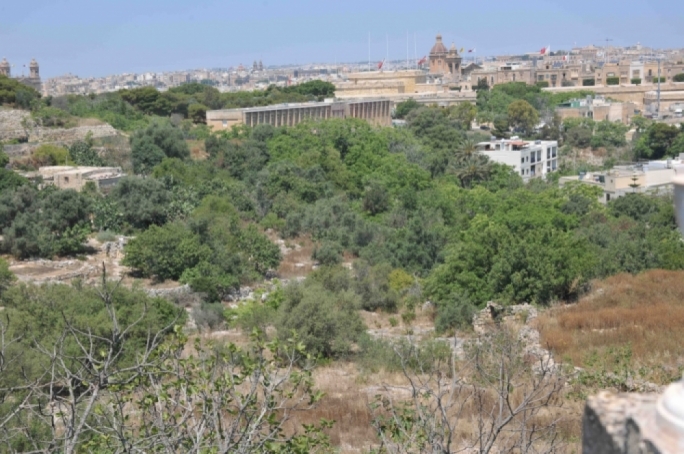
x=462 y=49
x=470 y=51
x=381 y=64
x=422 y=61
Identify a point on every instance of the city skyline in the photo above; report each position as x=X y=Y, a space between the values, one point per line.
x=74 y=36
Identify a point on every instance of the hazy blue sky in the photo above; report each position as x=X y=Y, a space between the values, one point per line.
x=99 y=37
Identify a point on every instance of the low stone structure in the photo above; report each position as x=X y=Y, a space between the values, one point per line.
x=67 y=177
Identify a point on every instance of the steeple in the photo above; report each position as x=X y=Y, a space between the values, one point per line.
x=5 y=69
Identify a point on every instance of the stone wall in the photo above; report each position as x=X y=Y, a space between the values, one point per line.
x=68 y=136
x=13 y=124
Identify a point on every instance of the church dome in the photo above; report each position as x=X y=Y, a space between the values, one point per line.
x=439 y=47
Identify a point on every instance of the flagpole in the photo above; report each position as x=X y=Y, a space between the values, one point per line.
x=387 y=50
x=415 y=50
x=369 y=67
x=407 y=51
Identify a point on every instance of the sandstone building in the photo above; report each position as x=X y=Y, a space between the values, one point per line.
x=375 y=111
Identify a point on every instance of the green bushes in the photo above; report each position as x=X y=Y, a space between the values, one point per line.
x=327 y=323
x=588 y=82
x=51 y=155
x=612 y=80
x=16 y=94
x=678 y=77
x=656 y=79
x=43 y=224
x=210 y=251
x=152 y=145
x=635 y=81
x=165 y=252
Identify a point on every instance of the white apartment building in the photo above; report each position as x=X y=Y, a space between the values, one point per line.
x=529 y=159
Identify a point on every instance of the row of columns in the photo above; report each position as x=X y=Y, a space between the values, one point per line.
x=286 y=117
x=373 y=111
x=378 y=112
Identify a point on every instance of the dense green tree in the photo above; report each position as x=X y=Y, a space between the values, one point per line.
x=607 y=133
x=656 y=141
x=140 y=202
x=465 y=114
x=403 y=108
x=165 y=252
x=10 y=180
x=149 y=100
x=83 y=154
x=523 y=116
x=150 y=146
x=55 y=224
x=197 y=113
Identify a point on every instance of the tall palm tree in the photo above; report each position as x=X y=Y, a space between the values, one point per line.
x=465 y=151
x=477 y=167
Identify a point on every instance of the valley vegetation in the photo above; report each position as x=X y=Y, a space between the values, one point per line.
x=397 y=217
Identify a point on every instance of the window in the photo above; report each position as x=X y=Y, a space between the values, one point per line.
x=522 y=160
x=607 y=197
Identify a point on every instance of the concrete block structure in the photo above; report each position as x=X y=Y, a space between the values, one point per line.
x=528 y=159
x=375 y=111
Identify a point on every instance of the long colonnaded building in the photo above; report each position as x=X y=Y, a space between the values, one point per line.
x=375 y=111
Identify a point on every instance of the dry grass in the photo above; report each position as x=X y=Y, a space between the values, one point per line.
x=197 y=150
x=296 y=258
x=643 y=313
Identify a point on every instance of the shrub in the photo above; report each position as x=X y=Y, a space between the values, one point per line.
x=372 y=284
x=208 y=315
x=542 y=84
x=612 y=80
x=150 y=146
x=455 y=314
x=329 y=253
x=83 y=154
x=659 y=79
x=327 y=323
x=165 y=252
x=636 y=81
x=678 y=77
x=51 y=155
x=106 y=236
x=51 y=117
x=588 y=82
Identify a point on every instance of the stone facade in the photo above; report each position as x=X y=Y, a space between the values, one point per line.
x=375 y=111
